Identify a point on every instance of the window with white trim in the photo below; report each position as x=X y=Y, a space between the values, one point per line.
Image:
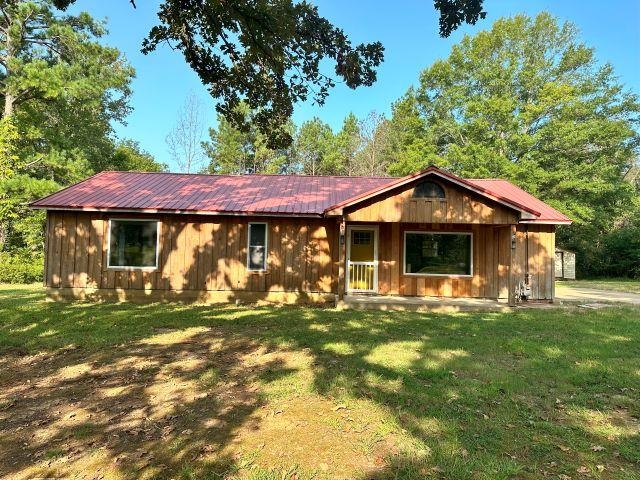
x=133 y=243
x=257 y=251
x=427 y=253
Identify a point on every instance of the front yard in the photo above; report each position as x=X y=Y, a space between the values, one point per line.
x=172 y=391
x=613 y=284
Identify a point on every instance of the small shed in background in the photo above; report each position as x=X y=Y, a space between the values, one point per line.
x=565 y=264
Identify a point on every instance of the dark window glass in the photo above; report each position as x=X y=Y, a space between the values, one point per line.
x=428 y=190
x=257 y=246
x=362 y=237
x=133 y=243
x=432 y=253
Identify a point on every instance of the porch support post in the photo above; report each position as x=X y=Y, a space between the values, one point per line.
x=511 y=273
x=342 y=257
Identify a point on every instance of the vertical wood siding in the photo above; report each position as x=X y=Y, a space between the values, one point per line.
x=541 y=261
x=196 y=253
x=491 y=262
x=209 y=253
x=459 y=206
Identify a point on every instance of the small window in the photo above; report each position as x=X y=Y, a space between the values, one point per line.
x=437 y=254
x=428 y=190
x=257 y=252
x=133 y=243
x=362 y=237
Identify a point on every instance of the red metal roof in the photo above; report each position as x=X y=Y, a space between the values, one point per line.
x=257 y=194
x=506 y=189
x=260 y=194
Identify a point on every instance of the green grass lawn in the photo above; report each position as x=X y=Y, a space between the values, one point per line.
x=615 y=284
x=188 y=391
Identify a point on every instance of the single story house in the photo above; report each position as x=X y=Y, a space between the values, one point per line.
x=294 y=238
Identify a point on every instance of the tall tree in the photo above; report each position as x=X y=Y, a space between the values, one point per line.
x=375 y=140
x=185 y=139
x=313 y=146
x=529 y=102
x=128 y=155
x=231 y=150
x=61 y=90
x=346 y=144
x=411 y=145
x=269 y=53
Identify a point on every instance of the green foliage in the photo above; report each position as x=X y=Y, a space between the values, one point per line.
x=61 y=90
x=128 y=155
x=231 y=150
x=527 y=101
x=23 y=267
x=269 y=54
x=9 y=158
x=314 y=149
x=621 y=249
x=21 y=227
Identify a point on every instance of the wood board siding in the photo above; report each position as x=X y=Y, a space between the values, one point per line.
x=196 y=253
x=209 y=254
x=459 y=206
x=492 y=258
x=482 y=284
x=541 y=259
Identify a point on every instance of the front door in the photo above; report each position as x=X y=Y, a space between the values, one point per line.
x=362 y=259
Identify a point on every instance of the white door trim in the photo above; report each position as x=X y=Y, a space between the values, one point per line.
x=374 y=229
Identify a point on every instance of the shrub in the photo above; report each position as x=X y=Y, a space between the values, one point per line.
x=21 y=267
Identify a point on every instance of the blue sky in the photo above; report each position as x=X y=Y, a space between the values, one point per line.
x=408 y=30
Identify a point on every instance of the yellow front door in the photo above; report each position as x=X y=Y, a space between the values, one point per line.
x=362 y=260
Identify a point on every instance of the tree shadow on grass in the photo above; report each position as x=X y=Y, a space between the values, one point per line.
x=167 y=390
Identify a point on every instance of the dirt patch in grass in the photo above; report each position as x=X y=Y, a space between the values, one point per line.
x=175 y=391
x=186 y=398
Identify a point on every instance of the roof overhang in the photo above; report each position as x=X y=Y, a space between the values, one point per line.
x=526 y=213
x=151 y=211
x=546 y=222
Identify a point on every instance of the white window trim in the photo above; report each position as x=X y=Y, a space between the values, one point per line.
x=266 y=246
x=128 y=267
x=431 y=232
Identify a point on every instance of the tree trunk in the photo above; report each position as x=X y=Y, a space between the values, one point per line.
x=9 y=99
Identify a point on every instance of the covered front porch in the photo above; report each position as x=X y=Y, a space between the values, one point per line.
x=469 y=263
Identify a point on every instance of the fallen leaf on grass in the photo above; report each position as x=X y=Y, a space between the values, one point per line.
x=564 y=448
x=600 y=468
x=597 y=448
x=583 y=470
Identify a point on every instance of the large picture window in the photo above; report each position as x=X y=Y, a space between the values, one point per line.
x=133 y=243
x=257 y=252
x=427 y=253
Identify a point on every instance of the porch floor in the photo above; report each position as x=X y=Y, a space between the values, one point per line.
x=431 y=304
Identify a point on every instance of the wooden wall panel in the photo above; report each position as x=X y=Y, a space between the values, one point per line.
x=491 y=257
x=460 y=206
x=209 y=253
x=196 y=253
x=540 y=265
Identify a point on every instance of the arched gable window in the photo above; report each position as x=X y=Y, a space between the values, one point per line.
x=428 y=189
